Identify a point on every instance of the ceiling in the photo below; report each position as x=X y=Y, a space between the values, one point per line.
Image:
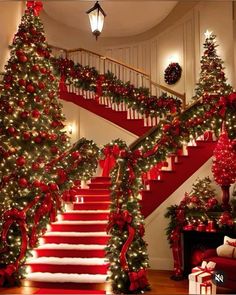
x=124 y=18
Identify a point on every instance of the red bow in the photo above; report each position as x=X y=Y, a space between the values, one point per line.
x=6 y=275
x=138 y=280
x=15 y=216
x=36 y=6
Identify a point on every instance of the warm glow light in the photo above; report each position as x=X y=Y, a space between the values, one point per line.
x=207 y=34
x=96 y=18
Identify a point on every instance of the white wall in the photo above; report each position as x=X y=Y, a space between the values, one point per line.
x=160 y=254
x=182 y=41
x=11 y=12
x=100 y=130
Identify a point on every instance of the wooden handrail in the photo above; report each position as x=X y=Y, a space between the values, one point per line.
x=134 y=144
x=175 y=93
x=112 y=60
x=138 y=71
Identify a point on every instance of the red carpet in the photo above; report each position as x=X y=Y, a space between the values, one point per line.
x=68 y=291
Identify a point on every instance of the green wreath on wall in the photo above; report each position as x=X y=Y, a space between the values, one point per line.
x=172 y=73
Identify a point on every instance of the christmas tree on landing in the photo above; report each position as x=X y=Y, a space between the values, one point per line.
x=212 y=77
x=31 y=121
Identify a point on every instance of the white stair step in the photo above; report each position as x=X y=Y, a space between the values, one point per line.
x=72 y=246
x=76 y=234
x=67 y=261
x=66 y=278
x=81 y=222
x=87 y=211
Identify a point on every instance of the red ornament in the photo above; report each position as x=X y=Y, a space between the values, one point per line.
x=19 y=52
x=43 y=134
x=26 y=135
x=35 y=166
x=33 y=31
x=24 y=115
x=20 y=161
x=41 y=85
x=43 y=70
x=166 y=127
x=38 y=139
x=35 y=68
x=22 y=82
x=11 y=130
x=23 y=183
x=51 y=94
x=21 y=103
x=30 y=88
x=54 y=149
x=36 y=183
x=10 y=110
x=22 y=58
x=36 y=113
x=7 y=86
x=53 y=186
x=75 y=154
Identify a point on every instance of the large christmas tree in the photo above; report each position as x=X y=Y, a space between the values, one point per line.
x=31 y=121
x=212 y=79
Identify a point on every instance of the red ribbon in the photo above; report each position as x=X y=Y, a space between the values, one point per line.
x=138 y=280
x=35 y=5
x=19 y=217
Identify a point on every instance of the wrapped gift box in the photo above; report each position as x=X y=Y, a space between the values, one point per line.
x=200 y=275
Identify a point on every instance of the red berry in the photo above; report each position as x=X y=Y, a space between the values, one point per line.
x=20 y=161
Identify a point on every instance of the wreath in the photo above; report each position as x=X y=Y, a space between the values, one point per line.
x=172 y=73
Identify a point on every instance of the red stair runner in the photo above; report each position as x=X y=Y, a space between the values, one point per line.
x=71 y=254
x=181 y=170
x=135 y=126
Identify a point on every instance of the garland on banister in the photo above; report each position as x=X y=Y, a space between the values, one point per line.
x=109 y=85
x=126 y=248
x=21 y=227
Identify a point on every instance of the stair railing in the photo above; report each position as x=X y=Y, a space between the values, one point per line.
x=123 y=72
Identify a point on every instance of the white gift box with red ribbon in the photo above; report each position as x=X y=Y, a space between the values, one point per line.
x=200 y=275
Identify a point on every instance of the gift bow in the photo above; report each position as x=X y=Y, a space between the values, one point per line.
x=138 y=280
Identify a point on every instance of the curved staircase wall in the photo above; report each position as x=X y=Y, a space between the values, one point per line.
x=160 y=254
x=88 y=125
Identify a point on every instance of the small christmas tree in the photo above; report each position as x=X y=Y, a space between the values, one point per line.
x=212 y=79
x=31 y=121
x=224 y=165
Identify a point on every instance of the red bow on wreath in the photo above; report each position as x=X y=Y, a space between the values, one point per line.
x=36 y=6
x=138 y=280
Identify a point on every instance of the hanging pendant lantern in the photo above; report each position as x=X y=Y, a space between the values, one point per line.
x=96 y=18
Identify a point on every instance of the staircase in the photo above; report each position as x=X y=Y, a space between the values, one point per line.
x=179 y=169
x=118 y=114
x=71 y=253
